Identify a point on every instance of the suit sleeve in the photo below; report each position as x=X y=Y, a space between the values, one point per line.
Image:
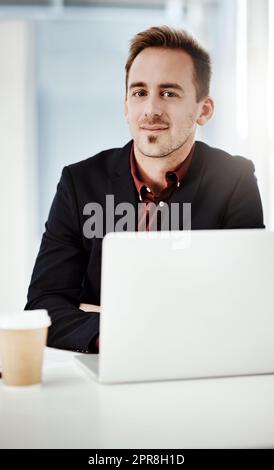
x=58 y=274
x=244 y=208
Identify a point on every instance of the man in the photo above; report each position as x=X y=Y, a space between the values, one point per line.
x=167 y=96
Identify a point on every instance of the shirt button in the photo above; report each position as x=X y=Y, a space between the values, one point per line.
x=161 y=203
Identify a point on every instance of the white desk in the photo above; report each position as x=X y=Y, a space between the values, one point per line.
x=69 y=410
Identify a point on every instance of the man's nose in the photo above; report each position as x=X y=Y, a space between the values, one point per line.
x=153 y=107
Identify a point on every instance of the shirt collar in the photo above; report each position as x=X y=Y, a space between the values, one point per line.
x=173 y=177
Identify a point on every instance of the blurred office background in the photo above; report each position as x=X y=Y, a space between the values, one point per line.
x=62 y=91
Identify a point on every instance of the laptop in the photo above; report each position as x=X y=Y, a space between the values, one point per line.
x=184 y=305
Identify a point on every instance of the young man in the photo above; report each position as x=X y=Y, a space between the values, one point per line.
x=167 y=96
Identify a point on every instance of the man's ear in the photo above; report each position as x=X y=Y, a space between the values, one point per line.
x=206 y=111
x=126 y=109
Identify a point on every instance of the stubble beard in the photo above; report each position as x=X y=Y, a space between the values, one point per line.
x=160 y=149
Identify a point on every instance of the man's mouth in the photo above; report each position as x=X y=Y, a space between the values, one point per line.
x=154 y=129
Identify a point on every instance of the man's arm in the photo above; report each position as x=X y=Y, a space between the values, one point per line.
x=89 y=307
x=94 y=345
x=58 y=274
x=244 y=208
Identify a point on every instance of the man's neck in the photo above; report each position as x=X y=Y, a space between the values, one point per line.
x=152 y=171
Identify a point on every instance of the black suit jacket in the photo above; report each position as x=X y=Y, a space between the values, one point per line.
x=222 y=190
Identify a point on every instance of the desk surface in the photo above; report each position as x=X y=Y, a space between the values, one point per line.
x=70 y=410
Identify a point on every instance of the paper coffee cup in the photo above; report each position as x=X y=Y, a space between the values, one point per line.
x=23 y=337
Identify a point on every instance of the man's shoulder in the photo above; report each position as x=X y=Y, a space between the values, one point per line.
x=104 y=161
x=220 y=160
x=99 y=159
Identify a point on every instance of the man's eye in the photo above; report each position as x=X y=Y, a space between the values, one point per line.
x=170 y=93
x=138 y=93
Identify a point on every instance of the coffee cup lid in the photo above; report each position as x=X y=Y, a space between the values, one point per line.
x=25 y=320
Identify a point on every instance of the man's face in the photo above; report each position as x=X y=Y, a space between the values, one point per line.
x=161 y=94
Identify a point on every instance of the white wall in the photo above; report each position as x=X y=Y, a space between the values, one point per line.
x=17 y=168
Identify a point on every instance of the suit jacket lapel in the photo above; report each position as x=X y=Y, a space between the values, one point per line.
x=190 y=184
x=121 y=184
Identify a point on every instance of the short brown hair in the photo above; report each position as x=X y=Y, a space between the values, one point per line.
x=170 y=38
